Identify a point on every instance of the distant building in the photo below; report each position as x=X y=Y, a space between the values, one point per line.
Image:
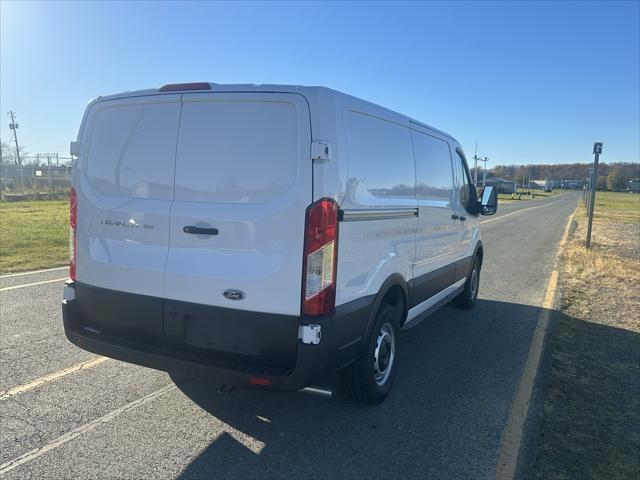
x=502 y=185
x=546 y=184
x=634 y=186
x=573 y=184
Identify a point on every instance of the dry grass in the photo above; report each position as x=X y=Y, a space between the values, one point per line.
x=590 y=420
x=602 y=284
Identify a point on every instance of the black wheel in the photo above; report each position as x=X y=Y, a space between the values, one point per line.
x=467 y=298
x=370 y=378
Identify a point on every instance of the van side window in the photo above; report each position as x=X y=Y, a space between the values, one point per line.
x=464 y=184
x=434 y=178
x=380 y=160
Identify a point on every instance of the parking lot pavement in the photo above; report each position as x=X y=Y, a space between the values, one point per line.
x=70 y=414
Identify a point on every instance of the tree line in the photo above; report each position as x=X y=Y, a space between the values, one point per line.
x=612 y=176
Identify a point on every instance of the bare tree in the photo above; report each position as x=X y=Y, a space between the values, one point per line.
x=8 y=153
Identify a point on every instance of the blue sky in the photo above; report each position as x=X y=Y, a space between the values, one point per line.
x=533 y=82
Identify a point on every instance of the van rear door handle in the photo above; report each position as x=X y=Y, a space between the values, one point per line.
x=454 y=217
x=200 y=230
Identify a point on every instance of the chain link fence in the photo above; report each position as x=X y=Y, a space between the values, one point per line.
x=41 y=176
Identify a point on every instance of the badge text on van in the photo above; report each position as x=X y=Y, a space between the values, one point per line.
x=130 y=224
x=233 y=294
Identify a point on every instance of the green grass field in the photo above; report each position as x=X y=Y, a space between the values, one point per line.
x=33 y=235
x=616 y=207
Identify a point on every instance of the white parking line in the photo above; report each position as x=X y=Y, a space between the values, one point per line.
x=33 y=284
x=31 y=272
x=51 y=377
x=81 y=430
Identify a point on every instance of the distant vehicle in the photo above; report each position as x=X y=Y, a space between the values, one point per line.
x=265 y=236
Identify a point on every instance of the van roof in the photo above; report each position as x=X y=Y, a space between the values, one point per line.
x=307 y=91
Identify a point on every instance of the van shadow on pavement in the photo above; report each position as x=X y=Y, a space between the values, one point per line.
x=444 y=418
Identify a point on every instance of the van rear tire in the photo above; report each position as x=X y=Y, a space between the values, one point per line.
x=370 y=378
x=468 y=297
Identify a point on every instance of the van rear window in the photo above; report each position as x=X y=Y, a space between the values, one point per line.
x=236 y=151
x=132 y=149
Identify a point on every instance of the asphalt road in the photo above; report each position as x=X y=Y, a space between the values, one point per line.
x=444 y=419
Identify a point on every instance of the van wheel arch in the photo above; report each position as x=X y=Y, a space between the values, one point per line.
x=395 y=292
x=479 y=252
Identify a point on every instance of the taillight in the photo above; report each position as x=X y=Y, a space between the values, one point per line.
x=320 y=257
x=73 y=223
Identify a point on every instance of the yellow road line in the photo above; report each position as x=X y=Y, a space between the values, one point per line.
x=512 y=434
x=33 y=284
x=51 y=377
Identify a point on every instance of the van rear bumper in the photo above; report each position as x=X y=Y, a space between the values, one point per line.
x=312 y=362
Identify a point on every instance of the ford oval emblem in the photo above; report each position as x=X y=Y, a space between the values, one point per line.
x=233 y=294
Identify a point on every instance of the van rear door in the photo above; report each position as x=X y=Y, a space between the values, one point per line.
x=124 y=185
x=242 y=184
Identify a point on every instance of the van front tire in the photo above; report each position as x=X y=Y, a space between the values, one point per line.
x=468 y=297
x=370 y=378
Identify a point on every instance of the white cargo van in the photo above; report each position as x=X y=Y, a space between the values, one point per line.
x=265 y=235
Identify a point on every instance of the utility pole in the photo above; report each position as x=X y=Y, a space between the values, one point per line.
x=484 y=171
x=475 y=170
x=14 y=126
x=597 y=150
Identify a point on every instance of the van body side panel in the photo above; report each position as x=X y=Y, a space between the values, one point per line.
x=329 y=176
x=377 y=235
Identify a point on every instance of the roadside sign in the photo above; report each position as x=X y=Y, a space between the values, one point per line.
x=597 y=148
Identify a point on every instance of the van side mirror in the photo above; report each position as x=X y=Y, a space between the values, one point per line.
x=489 y=201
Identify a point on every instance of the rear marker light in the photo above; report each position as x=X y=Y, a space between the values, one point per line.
x=259 y=381
x=320 y=257
x=73 y=224
x=181 y=87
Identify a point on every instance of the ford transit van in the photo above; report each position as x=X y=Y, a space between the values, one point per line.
x=265 y=236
